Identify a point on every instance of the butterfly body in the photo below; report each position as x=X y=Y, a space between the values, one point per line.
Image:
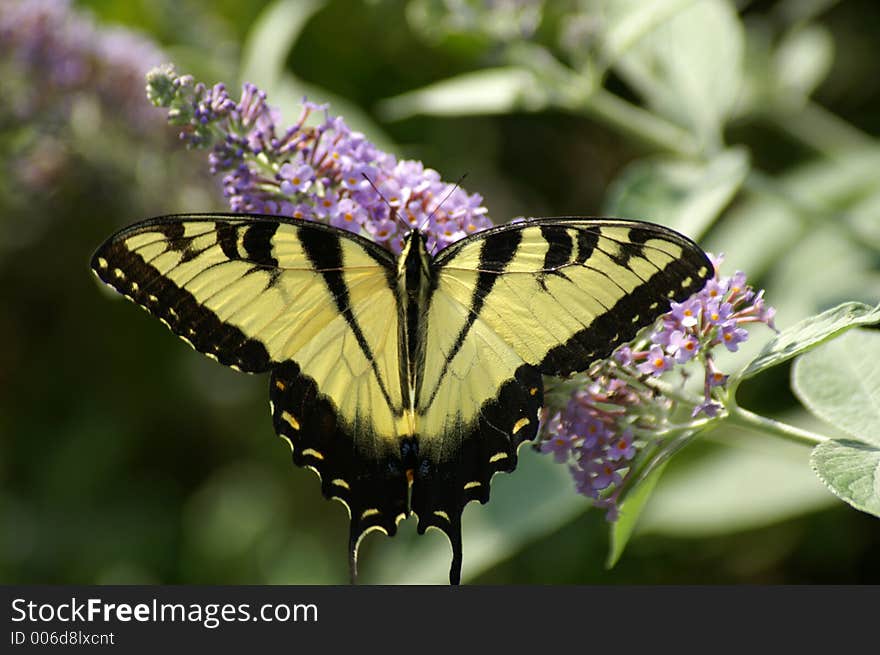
x=404 y=381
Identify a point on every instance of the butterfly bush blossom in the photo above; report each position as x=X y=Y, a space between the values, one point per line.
x=324 y=172
x=53 y=55
x=601 y=424
x=58 y=65
x=618 y=413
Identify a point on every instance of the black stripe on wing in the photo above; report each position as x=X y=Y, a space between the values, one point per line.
x=325 y=254
x=675 y=281
x=495 y=254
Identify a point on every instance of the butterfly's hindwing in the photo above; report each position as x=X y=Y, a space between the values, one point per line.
x=457 y=466
x=356 y=465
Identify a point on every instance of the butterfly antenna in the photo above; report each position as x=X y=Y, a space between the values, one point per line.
x=406 y=226
x=440 y=204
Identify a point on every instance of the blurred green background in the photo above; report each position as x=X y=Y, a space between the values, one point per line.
x=126 y=458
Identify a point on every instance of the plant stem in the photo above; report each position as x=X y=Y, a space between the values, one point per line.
x=744 y=418
x=644 y=125
x=825 y=132
x=670 y=391
x=810 y=214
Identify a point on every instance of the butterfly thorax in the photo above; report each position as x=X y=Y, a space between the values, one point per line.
x=414 y=284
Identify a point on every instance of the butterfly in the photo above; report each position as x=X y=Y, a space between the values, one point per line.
x=405 y=381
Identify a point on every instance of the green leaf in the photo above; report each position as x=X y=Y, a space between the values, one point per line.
x=490 y=91
x=266 y=48
x=686 y=196
x=779 y=212
x=629 y=511
x=628 y=21
x=750 y=482
x=840 y=383
x=798 y=287
x=851 y=470
x=271 y=38
x=684 y=58
x=803 y=59
x=808 y=334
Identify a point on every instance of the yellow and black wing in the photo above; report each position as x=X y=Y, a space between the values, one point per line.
x=312 y=304
x=513 y=303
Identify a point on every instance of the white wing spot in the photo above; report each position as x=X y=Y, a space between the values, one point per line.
x=472 y=485
x=118 y=273
x=497 y=457
x=102 y=263
x=152 y=298
x=443 y=515
x=339 y=482
x=685 y=283
x=369 y=512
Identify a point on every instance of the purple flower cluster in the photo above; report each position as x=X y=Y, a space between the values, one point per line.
x=605 y=424
x=693 y=328
x=316 y=170
x=594 y=435
x=51 y=53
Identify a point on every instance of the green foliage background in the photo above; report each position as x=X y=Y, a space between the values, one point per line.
x=125 y=458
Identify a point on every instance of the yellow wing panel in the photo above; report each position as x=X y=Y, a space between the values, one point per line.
x=458 y=381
